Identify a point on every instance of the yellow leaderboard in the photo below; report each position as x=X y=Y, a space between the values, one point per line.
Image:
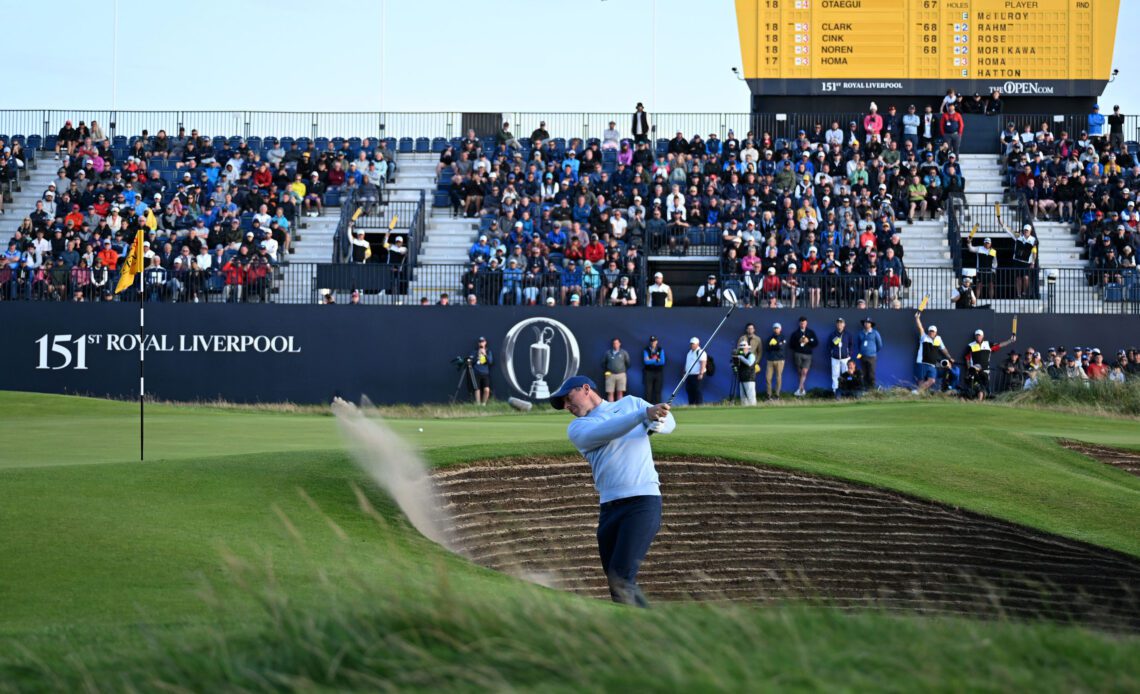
x=1047 y=47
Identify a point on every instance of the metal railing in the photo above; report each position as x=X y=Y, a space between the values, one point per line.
x=1008 y=290
x=410 y=216
x=450 y=124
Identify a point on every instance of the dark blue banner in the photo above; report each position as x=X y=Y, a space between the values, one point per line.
x=308 y=354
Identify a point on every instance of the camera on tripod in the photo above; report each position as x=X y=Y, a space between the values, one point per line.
x=461 y=363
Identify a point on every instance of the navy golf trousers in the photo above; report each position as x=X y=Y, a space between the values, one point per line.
x=626 y=528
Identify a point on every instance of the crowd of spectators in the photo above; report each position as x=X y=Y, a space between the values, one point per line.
x=826 y=203
x=1088 y=180
x=217 y=214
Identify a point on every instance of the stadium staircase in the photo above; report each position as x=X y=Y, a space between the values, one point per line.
x=446 y=240
x=1059 y=247
x=317 y=233
x=31 y=189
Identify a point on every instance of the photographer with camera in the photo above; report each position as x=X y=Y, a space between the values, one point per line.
x=977 y=356
x=480 y=362
x=850 y=382
x=930 y=345
x=744 y=366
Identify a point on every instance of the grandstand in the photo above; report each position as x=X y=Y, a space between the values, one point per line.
x=419 y=197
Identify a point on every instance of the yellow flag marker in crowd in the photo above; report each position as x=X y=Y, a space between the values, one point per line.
x=997 y=211
x=922 y=306
x=1014 y=331
x=973 y=231
x=391 y=226
x=356 y=215
x=134 y=264
x=151 y=220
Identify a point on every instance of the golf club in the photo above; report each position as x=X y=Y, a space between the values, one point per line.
x=732 y=304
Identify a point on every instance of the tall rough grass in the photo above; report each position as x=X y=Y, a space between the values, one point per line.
x=1096 y=396
x=421 y=626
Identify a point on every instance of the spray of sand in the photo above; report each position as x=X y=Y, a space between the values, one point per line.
x=395 y=466
x=400 y=471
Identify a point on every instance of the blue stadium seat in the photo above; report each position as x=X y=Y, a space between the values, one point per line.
x=50 y=142
x=254 y=143
x=391 y=143
x=438 y=144
x=247 y=221
x=21 y=139
x=486 y=221
x=609 y=156
x=119 y=141
x=441 y=199
x=423 y=145
x=286 y=142
x=219 y=141
x=35 y=142
x=5 y=138
x=303 y=142
x=1134 y=294
x=406 y=145
x=525 y=142
x=457 y=143
x=593 y=141
x=1132 y=146
x=662 y=146
x=695 y=236
x=560 y=144
x=355 y=142
x=1113 y=293
x=234 y=141
x=713 y=236
x=332 y=198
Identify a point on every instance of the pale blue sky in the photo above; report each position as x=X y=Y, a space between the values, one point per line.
x=495 y=55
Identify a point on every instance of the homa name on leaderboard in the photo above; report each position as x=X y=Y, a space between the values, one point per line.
x=928 y=39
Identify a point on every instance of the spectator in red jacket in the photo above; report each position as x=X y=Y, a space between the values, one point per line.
x=952 y=126
x=595 y=250
x=263 y=177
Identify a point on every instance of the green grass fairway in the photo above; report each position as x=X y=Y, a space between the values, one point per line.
x=248 y=551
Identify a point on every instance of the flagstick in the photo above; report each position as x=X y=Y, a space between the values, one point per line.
x=142 y=357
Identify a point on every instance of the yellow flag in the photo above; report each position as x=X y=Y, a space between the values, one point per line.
x=973 y=231
x=1014 y=331
x=392 y=224
x=134 y=264
x=922 y=306
x=151 y=220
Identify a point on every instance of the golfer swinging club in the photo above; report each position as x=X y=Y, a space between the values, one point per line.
x=613 y=437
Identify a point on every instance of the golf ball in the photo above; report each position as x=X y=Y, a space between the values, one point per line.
x=421 y=430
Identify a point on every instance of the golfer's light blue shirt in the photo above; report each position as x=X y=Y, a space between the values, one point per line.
x=614 y=439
